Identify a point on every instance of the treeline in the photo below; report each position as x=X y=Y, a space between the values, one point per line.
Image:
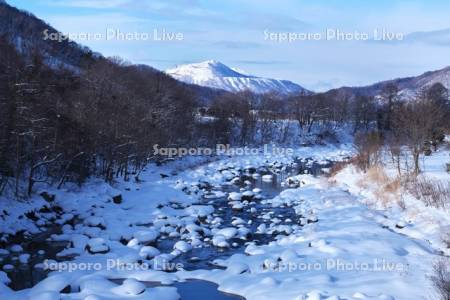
x=61 y=125
x=406 y=129
x=26 y=32
x=258 y=113
x=58 y=125
x=417 y=123
x=247 y=118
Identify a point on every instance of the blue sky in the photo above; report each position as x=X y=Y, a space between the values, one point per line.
x=235 y=32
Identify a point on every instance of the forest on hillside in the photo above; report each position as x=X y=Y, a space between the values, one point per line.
x=60 y=125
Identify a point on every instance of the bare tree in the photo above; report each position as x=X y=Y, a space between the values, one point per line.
x=389 y=95
x=58 y=126
x=368 y=146
x=415 y=122
x=363 y=112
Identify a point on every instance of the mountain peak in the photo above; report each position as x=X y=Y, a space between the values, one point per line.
x=214 y=74
x=211 y=62
x=203 y=70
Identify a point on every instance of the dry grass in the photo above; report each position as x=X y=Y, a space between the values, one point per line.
x=446 y=239
x=393 y=185
x=377 y=174
x=388 y=190
x=441 y=278
x=338 y=167
x=434 y=193
x=385 y=189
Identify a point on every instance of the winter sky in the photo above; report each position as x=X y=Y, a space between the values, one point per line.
x=243 y=33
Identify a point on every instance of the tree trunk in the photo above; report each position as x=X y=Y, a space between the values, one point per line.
x=416 y=162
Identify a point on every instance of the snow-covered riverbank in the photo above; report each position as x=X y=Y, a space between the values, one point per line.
x=322 y=242
x=394 y=196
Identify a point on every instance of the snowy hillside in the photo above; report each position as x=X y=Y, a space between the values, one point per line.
x=215 y=74
x=407 y=87
x=426 y=80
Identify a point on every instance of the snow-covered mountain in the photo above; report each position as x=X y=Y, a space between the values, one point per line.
x=407 y=87
x=412 y=85
x=215 y=74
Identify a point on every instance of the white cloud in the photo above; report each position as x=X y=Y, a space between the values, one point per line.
x=233 y=31
x=88 y=3
x=91 y=21
x=436 y=37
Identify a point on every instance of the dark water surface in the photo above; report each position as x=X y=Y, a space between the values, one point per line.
x=26 y=276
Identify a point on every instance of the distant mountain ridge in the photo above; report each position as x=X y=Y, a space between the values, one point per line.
x=26 y=32
x=215 y=74
x=207 y=79
x=407 y=86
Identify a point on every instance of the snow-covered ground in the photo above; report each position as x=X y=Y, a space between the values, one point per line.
x=380 y=190
x=333 y=246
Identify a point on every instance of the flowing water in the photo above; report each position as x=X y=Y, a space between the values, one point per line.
x=26 y=275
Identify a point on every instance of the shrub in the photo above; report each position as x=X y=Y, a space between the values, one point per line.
x=441 y=278
x=339 y=166
x=368 y=147
x=385 y=189
x=433 y=192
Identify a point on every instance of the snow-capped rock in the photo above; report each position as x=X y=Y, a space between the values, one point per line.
x=182 y=246
x=145 y=236
x=97 y=245
x=228 y=232
x=148 y=252
x=267 y=178
x=24 y=258
x=235 y=196
x=16 y=248
x=130 y=287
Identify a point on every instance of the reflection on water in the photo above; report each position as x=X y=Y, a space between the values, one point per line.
x=26 y=275
x=202 y=290
x=203 y=257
